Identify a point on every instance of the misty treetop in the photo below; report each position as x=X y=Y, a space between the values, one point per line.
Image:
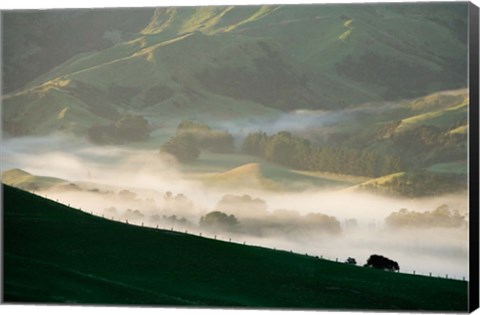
x=255 y=219
x=441 y=217
x=192 y=137
x=206 y=138
x=419 y=183
x=218 y=221
x=182 y=146
x=242 y=206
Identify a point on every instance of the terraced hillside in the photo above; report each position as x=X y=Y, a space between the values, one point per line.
x=56 y=254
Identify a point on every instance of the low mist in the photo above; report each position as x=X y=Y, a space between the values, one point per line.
x=301 y=121
x=142 y=187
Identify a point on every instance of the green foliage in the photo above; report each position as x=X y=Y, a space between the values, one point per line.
x=441 y=217
x=294 y=152
x=127 y=128
x=427 y=145
x=131 y=128
x=420 y=183
x=255 y=143
x=182 y=146
x=286 y=149
x=206 y=138
x=188 y=125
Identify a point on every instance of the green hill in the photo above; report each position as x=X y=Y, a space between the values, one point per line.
x=24 y=180
x=55 y=254
x=268 y=176
x=248 y=61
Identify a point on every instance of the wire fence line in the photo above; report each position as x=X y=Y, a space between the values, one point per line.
x=170 y=228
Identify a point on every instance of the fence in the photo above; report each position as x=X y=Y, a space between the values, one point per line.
x=229 y=239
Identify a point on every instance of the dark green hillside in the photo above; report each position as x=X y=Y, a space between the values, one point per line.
x=30 y=37
x=59 y=255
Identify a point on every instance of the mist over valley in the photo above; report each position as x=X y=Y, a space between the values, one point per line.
x=331 y=131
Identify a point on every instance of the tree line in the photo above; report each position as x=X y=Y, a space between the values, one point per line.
x=420 y=183
x=292 y=151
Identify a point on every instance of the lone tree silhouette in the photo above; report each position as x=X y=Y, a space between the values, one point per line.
x=380 y=262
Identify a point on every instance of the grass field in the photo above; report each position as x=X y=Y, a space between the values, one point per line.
x=239 y=170
x=458 y=167
x=25 y=180
x=56 y=254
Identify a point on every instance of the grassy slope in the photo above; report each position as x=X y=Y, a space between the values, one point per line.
x=437 y=118
x=238 y=170
x=247 y=59
x=56 y=254
x=378 y=181
x=380 y=126
x=25 y=180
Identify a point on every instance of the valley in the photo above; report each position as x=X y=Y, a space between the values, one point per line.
x=198 y=145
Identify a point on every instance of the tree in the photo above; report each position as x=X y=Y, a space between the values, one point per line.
x=217 y=141
x=254 y=143
x=182 y=146
x=217 y=220
x=131 y=128
x=380 y=262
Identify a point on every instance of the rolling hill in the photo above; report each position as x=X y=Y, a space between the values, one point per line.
x=268 y=176
x=56 y=254
x=248 y=61
x=24 y=180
